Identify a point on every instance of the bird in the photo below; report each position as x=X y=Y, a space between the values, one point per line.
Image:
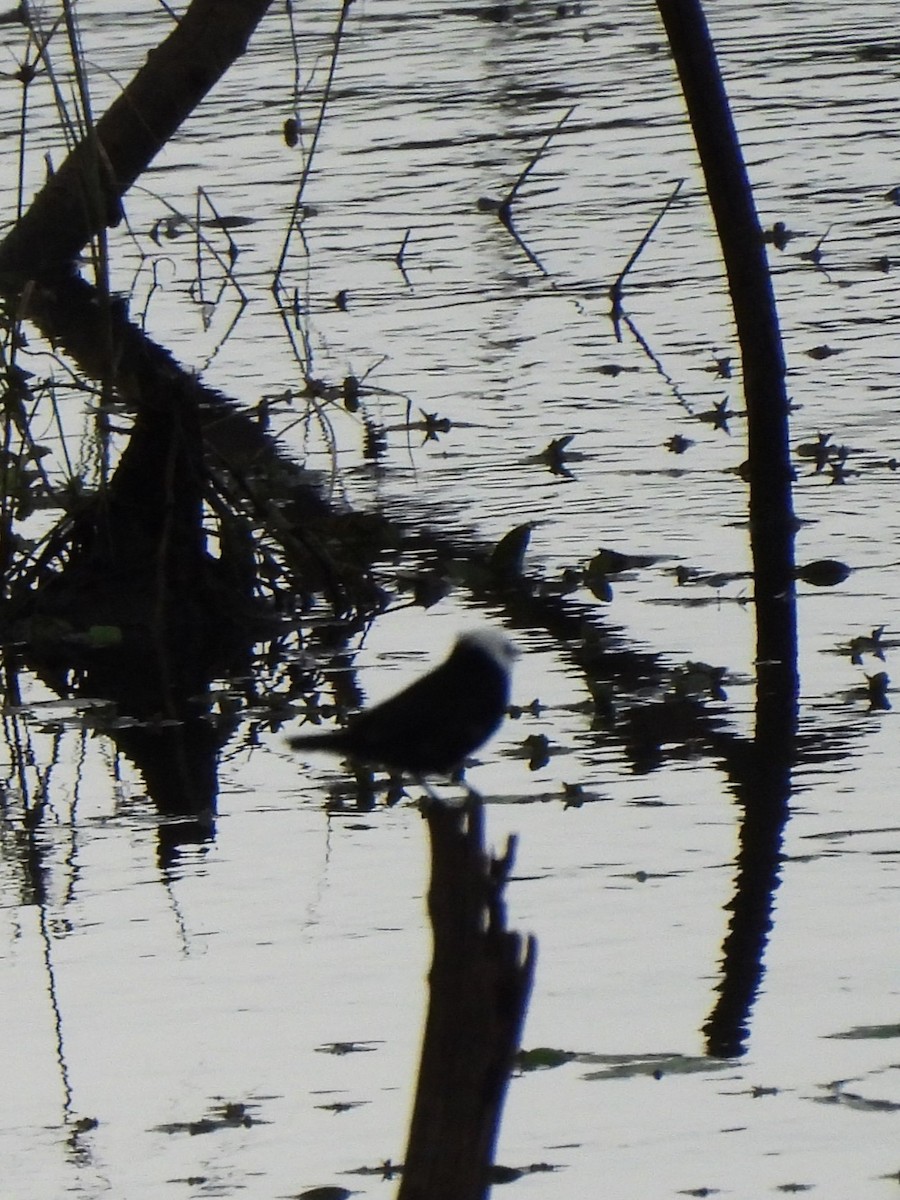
x=434 y=724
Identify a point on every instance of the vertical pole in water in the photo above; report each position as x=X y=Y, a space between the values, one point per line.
x=762 y=358
x=762 y=777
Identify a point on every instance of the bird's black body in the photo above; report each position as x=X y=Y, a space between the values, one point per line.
x=431 y=726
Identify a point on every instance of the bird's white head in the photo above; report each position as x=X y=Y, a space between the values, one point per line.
x=492 y=642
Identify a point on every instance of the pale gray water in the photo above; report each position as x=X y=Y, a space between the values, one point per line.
x=147 y=1002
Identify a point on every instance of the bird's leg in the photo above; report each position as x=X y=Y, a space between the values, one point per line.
x=472 y=796
x=433 y=797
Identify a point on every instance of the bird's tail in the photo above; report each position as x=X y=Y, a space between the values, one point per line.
x=323 y=740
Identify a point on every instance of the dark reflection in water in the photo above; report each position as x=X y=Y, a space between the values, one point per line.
x=761 y=774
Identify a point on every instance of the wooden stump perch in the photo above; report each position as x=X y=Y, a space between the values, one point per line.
x=479 y=984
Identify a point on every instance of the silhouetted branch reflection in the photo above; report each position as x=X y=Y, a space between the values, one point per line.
x=136 y=611
x=124 y=600
x=762 y=785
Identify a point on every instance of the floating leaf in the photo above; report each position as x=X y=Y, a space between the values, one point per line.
x=324 y=1193
x=824 y=572
x=877 y=688
x=508 y=557
x=555 y=454
x=543 y=1058
x=718 y=416
x=291 y=131
x=612 y=562
x=537 y=748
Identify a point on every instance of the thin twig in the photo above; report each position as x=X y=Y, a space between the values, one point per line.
x=615 y=291
x=400 y=256
x=307 y=166
x=504 y=209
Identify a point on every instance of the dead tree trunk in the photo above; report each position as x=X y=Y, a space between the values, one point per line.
x=480 y=981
